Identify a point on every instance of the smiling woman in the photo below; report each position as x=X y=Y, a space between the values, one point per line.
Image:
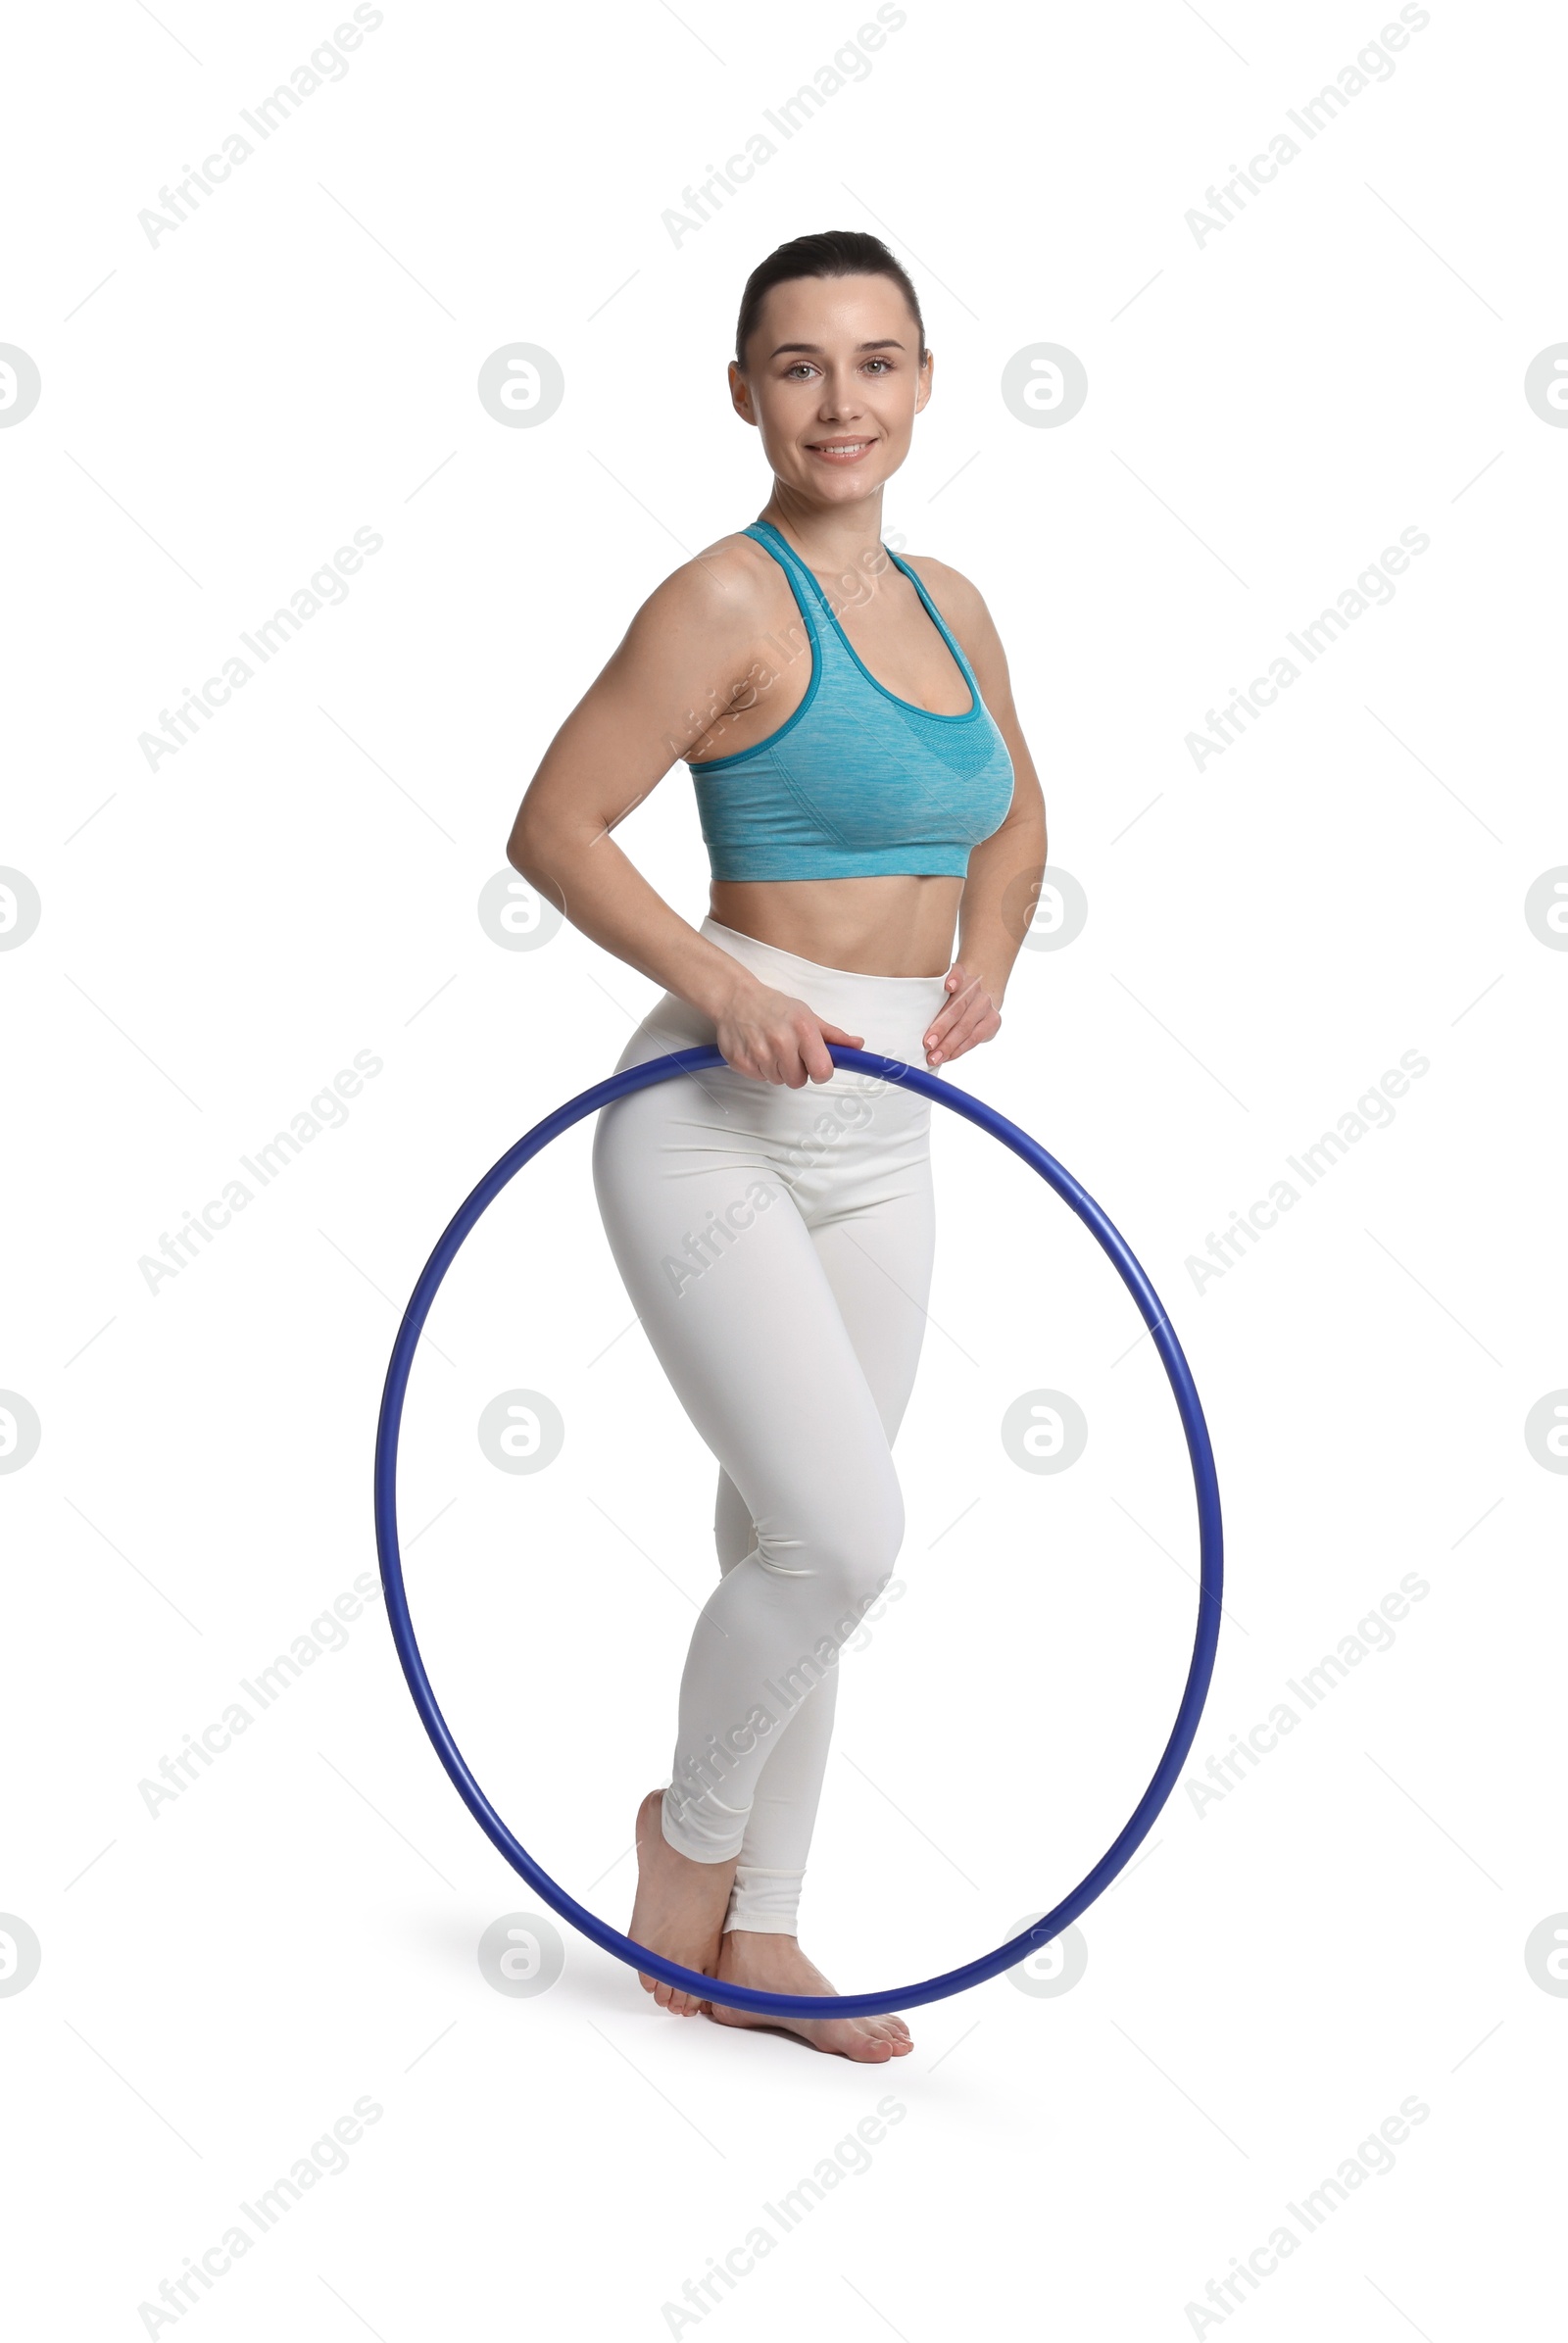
x=864 y=791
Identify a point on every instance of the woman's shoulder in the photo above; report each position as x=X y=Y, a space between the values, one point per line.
x=947 y=586
x=724 y=587
x=960 y=601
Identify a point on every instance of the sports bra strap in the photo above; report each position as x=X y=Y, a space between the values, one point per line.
x=774 y=541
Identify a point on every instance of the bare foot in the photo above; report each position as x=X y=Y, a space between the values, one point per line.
x=679 y=1907
x=778 y=1965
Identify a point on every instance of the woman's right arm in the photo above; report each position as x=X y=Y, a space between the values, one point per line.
x=674 y=675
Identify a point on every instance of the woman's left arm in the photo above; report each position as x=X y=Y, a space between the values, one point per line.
x=1004 y=869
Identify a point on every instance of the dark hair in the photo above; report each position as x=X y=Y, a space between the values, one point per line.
x=839 y=252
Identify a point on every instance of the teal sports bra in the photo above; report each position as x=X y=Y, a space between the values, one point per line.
x=857 y=781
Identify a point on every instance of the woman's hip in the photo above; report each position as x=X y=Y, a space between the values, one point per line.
x=892 y=1014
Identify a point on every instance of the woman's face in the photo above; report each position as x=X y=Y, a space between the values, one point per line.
x=833 y=359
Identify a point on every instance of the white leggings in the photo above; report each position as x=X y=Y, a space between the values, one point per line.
x=777 y=1245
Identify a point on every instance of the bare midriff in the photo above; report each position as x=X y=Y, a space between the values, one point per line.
x=896 y=925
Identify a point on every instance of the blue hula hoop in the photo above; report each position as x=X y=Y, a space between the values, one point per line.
x=1210 y=1547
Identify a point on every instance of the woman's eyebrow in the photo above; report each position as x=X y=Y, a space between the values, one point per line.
x=814 y=348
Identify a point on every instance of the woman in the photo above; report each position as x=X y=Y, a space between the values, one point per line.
x=863 y=790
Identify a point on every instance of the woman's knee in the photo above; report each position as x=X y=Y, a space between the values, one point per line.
x=845 y=1550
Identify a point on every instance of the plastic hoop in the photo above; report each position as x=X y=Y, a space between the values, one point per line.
x=1210 y=1551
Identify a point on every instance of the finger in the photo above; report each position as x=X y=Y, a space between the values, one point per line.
x=978 y=1025
x=966 y=1039
x=829 y=1032
x=945 y=1023
x=960 y=988
x=819 y=1066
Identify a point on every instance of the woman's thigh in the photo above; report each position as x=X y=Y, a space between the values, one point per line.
x=748 y=1334
x=762 y=1258
x=877 y=1257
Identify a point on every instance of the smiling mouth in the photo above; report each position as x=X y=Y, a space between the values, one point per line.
x=838 y=451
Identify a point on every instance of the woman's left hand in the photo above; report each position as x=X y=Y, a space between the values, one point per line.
x=973 y=1015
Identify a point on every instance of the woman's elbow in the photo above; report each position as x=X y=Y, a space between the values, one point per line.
x=527 y=848
x=544 y=854
x=533 y=863
x=519 y=852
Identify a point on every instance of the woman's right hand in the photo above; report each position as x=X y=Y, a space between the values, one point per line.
x=775 y=1037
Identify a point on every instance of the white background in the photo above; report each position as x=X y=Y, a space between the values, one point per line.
x=1267 y=410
